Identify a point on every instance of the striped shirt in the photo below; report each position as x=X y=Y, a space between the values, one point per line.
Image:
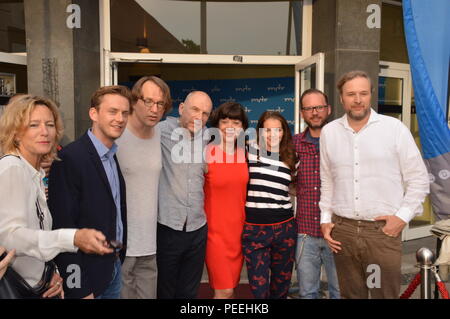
x=268 y=200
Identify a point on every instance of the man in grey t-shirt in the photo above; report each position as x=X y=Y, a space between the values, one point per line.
x=182 y=229
x=140 y=159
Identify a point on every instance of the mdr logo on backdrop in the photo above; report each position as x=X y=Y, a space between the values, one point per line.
x=256 y=95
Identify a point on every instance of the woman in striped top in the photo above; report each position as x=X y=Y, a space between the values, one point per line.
x=269 y=233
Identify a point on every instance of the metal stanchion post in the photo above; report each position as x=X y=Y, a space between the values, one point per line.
x=426 y=259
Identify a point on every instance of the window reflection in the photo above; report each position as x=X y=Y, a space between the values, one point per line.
x=135 y=30
x=175 y=26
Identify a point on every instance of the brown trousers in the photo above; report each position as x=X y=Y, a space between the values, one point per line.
x=369 y=261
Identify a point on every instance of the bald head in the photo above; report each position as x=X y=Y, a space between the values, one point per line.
x=195 y=111
x=197 y=95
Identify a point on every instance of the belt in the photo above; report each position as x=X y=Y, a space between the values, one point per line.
x=357 y=222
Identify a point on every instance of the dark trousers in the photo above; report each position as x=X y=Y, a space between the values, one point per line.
x=269 y=252
x=369 y=261
x=180 y=258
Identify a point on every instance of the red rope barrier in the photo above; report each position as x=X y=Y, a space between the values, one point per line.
x=440 y=285
x=442 y=290
x=412 y=287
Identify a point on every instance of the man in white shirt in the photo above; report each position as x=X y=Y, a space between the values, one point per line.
x=140 y=159
x=374 y=182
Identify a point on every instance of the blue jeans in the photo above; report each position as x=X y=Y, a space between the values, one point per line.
x=113 y=290
x=310 y=254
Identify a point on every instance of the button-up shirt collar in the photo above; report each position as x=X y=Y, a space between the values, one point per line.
x=102 y=150
x=373 y=118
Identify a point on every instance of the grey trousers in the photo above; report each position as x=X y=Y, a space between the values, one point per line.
x=139 y=277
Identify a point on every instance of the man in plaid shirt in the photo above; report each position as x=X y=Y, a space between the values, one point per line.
x=312 y=250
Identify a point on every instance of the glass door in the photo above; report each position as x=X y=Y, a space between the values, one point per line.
x=309 y=73
x=396 y=99
x=259 y=83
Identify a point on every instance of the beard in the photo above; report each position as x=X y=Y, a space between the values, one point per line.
x=360 y=116
x=317 y=126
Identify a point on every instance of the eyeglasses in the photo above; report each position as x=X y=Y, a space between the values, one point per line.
x=318 y=108
x=149 y=103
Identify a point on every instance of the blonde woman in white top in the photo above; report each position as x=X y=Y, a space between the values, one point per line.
x=30 y=128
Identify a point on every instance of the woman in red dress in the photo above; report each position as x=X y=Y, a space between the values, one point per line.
x=225 y=188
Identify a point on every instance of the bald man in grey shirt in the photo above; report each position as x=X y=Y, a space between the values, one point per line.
x=182 y=229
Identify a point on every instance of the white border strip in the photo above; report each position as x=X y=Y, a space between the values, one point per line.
x=13 y=58
x=105 y=41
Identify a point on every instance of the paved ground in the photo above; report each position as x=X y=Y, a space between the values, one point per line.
x=409 y=269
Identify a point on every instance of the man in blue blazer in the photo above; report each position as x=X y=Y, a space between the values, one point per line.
x=87 y=190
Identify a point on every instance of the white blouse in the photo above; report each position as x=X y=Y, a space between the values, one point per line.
x=21 y=186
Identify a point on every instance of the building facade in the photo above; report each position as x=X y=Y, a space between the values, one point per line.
x=262 y=54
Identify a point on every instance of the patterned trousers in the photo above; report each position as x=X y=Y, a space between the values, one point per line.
x=269 y=252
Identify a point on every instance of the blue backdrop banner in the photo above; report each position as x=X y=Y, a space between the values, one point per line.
x=256 y=95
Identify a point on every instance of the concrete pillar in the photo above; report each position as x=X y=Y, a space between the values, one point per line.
x=64 y=61
x=342 y=32
x=86 y=44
